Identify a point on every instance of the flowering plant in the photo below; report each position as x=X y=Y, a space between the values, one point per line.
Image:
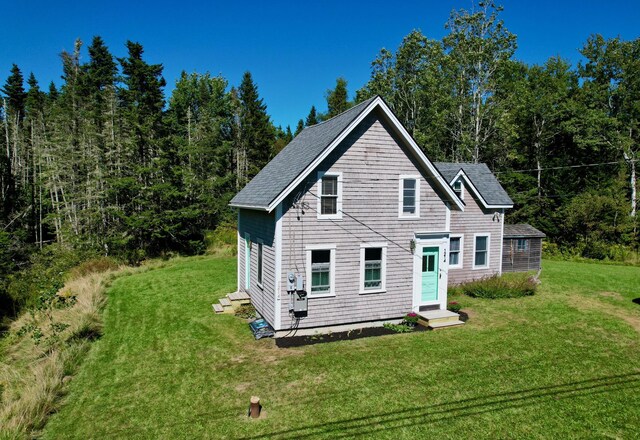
x=411 y=318
x=454 y=306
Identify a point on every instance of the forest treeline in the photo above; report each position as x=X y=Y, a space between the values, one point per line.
x=105 y=164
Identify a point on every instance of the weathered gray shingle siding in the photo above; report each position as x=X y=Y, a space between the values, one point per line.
x=476 y=220
x=259 y=225
x=514 y=260
x=370 y=162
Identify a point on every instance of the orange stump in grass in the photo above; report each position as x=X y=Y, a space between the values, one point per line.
x=254 y=408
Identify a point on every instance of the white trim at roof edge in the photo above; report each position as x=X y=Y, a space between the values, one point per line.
x=461 y=173
x=378 y=101
x=255 y=208
x=278 y=269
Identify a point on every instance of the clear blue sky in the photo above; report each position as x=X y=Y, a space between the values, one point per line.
x=295 y=50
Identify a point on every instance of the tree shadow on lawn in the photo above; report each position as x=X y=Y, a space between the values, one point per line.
x=636 y=301
x=362 y=426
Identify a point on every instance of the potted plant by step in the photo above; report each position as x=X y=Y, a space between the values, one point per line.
x=411 y=319
x=454 y=307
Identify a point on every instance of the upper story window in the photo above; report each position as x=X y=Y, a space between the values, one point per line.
x=457 y=188
x=409 y=197
x=329 y=195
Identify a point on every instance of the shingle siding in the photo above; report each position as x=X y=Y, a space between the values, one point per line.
x=476 y=220
x=260 y=226
x=371 y=162
x=514 y=260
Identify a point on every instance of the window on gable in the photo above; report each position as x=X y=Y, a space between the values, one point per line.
x=329 y=197
x=522 y=245
x=320 y=271
x=409 y=197
x=455 y=252
x=481 y=257
x=457 y=188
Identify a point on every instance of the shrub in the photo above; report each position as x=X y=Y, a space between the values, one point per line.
x=398 y=328
x=94 y=265
x=411 y=319
x=513 y=286
x=454 y=306
x=246 y=311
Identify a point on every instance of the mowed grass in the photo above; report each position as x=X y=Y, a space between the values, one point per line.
x=563 y=363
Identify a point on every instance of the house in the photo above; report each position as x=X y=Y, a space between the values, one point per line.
x=522 y=248
x=353 y=207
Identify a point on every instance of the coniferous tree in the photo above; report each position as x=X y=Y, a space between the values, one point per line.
x=256 y=131
x=312 y=118
x=337 y=99
x=299 y=127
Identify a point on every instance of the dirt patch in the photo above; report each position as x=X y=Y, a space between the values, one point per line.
x=615 y=295
x=592 y=304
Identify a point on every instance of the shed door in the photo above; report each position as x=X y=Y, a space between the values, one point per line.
x=429 y=274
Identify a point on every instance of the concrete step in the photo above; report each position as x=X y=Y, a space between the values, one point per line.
x=225 y=302
x=445 y=324
x=217 y=308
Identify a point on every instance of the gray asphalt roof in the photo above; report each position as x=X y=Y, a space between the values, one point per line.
x=481 y=177
x=522 y=230
x=294 y=159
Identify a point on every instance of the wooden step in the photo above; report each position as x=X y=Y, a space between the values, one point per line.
x=225 y=302
x=436 y=317
x=239 y=298
x=217 y=308
x=445 y=324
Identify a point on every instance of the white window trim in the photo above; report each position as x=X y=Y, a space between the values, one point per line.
x=460 y=264
x=332 y=278
x=461 y=180
x=401 y=180
x=247 y=261
x=483 y=234
x=383 y=268
x=259 y=262
x=338 y=214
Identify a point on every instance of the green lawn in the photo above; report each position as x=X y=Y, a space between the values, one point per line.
x=563 y=363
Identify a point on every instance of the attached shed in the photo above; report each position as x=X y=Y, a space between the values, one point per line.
x=522 y=248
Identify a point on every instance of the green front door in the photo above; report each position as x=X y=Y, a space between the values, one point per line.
x=429 y=274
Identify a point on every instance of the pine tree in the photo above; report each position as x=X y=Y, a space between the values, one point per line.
x=256 y=131
x=312 y=118
x=337 y=101
x=299 y=127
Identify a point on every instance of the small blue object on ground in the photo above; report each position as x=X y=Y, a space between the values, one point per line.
x=261 y=329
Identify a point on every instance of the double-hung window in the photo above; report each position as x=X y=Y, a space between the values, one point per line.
x=321 y=270
x=481 y=251
x=409 y=197
x=373 y=267
x=329 y=195
x=260 y=263
x=455 y=251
